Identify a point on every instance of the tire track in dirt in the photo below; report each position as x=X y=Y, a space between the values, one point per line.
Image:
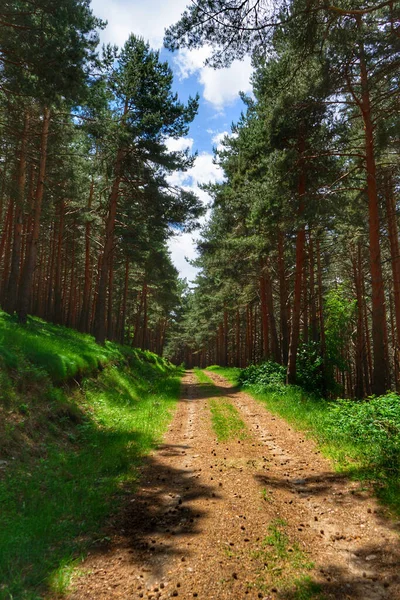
x=194 y=527
x=340 y=523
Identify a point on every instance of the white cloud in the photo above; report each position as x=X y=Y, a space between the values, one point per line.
x=181 y=247
x=146 y=18
x=203 y=171
x=221 y=86
x=176 y=145
x=184 y=245
x=218 y=137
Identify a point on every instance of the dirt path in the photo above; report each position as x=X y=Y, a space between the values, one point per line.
x=198 y=524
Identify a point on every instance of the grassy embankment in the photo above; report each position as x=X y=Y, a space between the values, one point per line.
x=225 y=418
x=362 y=437
x=75 y=421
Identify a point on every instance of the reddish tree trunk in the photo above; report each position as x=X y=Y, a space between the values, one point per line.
x=395 y=261
x=264 y=317
x=110 y=327
x=57 y=310
x=25 y=288
x=124 y=302
x=12 y=286
x=300 y=243
x=276 y=355
x=100 y=315
x=85 y=310
x=7 y=253
x=283 y=298
x=380 y=373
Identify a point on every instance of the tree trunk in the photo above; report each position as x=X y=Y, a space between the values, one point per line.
x=85 y=310
x=145 y=317
x=12 y=287
x=264 y=317
x=58 y=300
x=7 y=254
x=321 y=316
x=101 y=303
x=361 y=376
x=124 y=302
x=379 y=379
x=300 y=243
x=313 y=305
x=276 y=355
x=110 y=328
x=395 y=261
x=25 y=288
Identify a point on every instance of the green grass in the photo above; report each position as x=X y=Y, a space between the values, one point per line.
x=363 y=438
x=285 y=565
x=203 y=378
x=59 y=352
x=230 y=373
x=226 y=421
x=70 y=454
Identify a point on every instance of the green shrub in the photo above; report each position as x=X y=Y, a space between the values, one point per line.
x=373 y=426
x=309 y=368
x=266 y=375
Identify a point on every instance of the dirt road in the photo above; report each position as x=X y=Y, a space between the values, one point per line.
x=264 y=516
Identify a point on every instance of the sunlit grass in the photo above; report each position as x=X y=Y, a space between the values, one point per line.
x=61 y=352
x=69 y=455
x=226 y=421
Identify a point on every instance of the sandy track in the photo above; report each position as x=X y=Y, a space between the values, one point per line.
x=195 y=526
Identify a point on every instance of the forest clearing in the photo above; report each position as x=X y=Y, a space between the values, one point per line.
x=199 y=299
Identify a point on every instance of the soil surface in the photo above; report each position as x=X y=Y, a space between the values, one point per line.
x=261 y=517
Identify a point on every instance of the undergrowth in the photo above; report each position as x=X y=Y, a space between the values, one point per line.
x=363 y=437
x=69 y=454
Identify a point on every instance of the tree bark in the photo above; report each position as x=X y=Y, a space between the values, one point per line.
x=300 y=243
x=380 y=374
x=12 y=287
x=85 y=310
x=283 y=298
x=99 y=327
x=395 y=262
x=25 y=288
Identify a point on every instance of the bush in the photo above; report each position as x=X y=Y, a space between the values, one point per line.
x=373 y=426
x=266 y=375
x=310 y=375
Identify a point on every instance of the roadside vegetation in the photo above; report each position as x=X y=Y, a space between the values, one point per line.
x=69 y=450
x=287 y=565
x=226 y=421
x=363 y=437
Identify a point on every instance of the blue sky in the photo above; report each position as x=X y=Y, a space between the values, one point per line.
x=220 y=104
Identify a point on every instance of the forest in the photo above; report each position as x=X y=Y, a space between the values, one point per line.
x=299 y=260
x=162 y=437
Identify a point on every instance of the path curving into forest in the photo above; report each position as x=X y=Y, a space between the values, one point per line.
x=260 y=515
